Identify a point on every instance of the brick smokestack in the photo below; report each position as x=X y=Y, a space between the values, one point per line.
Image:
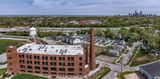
x=92 y=50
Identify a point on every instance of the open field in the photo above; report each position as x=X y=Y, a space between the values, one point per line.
x=100 y=74
x=143 y=57
x=27 y=76
x=2 y=71
x=5 y=43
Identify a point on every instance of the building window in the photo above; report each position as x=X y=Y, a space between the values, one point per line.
x=61 y=64
x=9 y=51
x=63 y=58
x=51 y=58
x=70 y=69
x=30 y=71
x=55 y=63
x=11 y=69
x=45 y=72
x=22 y=56
x=72 y=58
x=59 y=58
x=22 y=66
x=80 y=64
x=51 y=63
x=30 y=62
x=37 y=67
x=55 y=58
x=53 y=69
x=69 y=64
x=70 y=73
x=68 y=58
x=61 y=69
x=23 y=70
x=42 y=57
x=46 y=63
x=45 y=68
x=38 y=62
x=35 y=57
x=30 y=56
x=42 y=63
x=20 y=61
x=72 y=64
x=9 y=57
x=35 y=62
x=80 y=73
x=37 y=72
x=38 y=57
x=80 y=58
x=19 y=56
x=80 y=69
x=29 y=67
x=27 y=62
x=27 y=56
x=46 y=58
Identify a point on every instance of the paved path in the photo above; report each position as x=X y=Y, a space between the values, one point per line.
x=117 y=68
x=127 y=56
x=3 y=66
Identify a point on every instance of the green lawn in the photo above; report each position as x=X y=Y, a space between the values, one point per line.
x=143 y=57
x=102 y=73
x=5 y=43
x=2 y=71
x=121 y=74
x=27 y=76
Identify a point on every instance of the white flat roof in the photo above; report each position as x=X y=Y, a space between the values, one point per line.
x=51 y=49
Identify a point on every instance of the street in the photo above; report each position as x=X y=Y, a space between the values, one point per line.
x=117 y=68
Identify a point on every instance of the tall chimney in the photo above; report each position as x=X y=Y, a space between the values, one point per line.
x=92 y=50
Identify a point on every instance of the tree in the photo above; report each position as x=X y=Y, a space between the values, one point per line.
x=123 y=32
x=110 y=34
x=99 y=32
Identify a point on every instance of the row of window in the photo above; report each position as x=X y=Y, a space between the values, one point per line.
x=38 y=72
x=51 y=63
x=51 y=58
x=46 y=68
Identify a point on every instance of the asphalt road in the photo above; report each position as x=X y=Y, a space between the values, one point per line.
x=47 y=29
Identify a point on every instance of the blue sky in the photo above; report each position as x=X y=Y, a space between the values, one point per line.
x=77 y=7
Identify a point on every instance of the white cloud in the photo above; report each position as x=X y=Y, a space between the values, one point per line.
x=78 y=7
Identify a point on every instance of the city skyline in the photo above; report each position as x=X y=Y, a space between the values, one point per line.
x=77 y=7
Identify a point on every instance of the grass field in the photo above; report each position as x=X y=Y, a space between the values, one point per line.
x=143 y=57
x=27 y=76
x=102 y=73
x=2 y=71
x=5 y=43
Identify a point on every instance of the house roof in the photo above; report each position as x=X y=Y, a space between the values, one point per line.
x=152 y=69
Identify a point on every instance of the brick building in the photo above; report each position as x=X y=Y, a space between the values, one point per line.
x=54 y=60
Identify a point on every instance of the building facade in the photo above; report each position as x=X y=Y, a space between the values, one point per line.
x=27 y=59
x=51 y=60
